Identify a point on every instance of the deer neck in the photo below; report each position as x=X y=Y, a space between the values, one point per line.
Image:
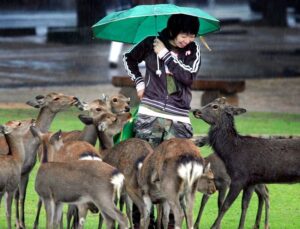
x=89 y=134
x=44 y=119
x=16 y=147
x=105 y=141
x=223 y=138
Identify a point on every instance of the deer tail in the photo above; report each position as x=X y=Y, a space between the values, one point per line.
x=189 y=169
x=117 y=180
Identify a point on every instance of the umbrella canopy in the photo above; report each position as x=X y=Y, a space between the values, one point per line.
x=133 y=25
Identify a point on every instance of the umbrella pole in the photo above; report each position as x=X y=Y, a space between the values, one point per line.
x=158 y=71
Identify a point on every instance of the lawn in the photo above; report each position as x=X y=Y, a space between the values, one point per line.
x=284 y=199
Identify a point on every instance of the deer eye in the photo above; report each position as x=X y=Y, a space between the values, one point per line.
x=215 y=106
x=115 y=100
x=98 y=109
x=57 y=98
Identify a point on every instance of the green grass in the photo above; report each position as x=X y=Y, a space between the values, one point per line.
x=285 y=199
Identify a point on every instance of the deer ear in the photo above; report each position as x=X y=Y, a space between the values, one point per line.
x=207 y=167
x=55 y=137
x=85 y=119
x=83 y=106
x=235 y=110
x=2 y=129
x=239 y=111
x=33 y=103
x=104 y=97
x=221 y=100
x=102 y=126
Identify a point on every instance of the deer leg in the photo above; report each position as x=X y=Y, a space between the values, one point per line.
x=247 y=194
x=145 y=217
x=221 y=198
x=17 y=198
x=9 y=198
x=49 y=207
x=165 y=214
x=110 y=211
x=36 y=221
x=57 y=215
x=267 y=206
x=233 y=193
x=190 y=197
x=159 y=216
x=139 y=204
x=265 y=193
x=128 y=203
x=22 y=196
x=82 y=212
x=259 y=193
x=178 y=213
x=72 y=214
x=201 y=209
x=108 y=220
x=100 y=222
x=115 y=215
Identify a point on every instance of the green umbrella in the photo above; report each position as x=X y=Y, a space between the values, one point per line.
x=133 y=25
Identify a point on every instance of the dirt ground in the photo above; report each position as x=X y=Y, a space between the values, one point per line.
x=268 y=95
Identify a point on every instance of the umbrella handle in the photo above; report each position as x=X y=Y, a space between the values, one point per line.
x=158 y=71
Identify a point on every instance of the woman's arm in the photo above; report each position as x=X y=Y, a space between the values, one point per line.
x=132 y=58
x=183 y=72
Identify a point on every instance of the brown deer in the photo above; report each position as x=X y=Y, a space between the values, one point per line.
x=117 y=104
x=49 y=106
x=205 y=185
x=11 y=163
x=126 y=157
x=59 y=151
x=169 y=176
x=79 y=182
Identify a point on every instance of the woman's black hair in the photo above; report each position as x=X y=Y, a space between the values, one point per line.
x=182 y=23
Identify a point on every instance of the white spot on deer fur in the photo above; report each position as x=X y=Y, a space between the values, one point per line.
x=148 y=203
x=190 y=171
x=117 y=180
x=90 y=158
x=81 y=221
x=140 y=164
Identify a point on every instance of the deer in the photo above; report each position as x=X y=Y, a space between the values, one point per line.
x=205 y=185
x=60 y=151
x=117 y=104
x=49 y=106
x=11 y=163
x=79 y=182
x=222 y=182
x=245 y=157
x=169 y=176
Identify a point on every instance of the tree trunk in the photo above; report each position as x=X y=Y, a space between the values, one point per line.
x=89 y=12
x=275 y=13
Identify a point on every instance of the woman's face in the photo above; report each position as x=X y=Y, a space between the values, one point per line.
x=183 y=39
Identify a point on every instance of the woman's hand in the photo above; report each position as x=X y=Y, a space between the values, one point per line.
x=140 y=93
x=158 y=45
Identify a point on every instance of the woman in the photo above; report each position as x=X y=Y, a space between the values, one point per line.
x=172 y=61
x=165 y=93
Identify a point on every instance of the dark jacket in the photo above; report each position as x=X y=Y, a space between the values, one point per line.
x=184 y=68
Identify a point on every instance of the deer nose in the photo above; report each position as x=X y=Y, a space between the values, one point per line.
x=197 y=113
x=127 y=109
x=38 y=97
